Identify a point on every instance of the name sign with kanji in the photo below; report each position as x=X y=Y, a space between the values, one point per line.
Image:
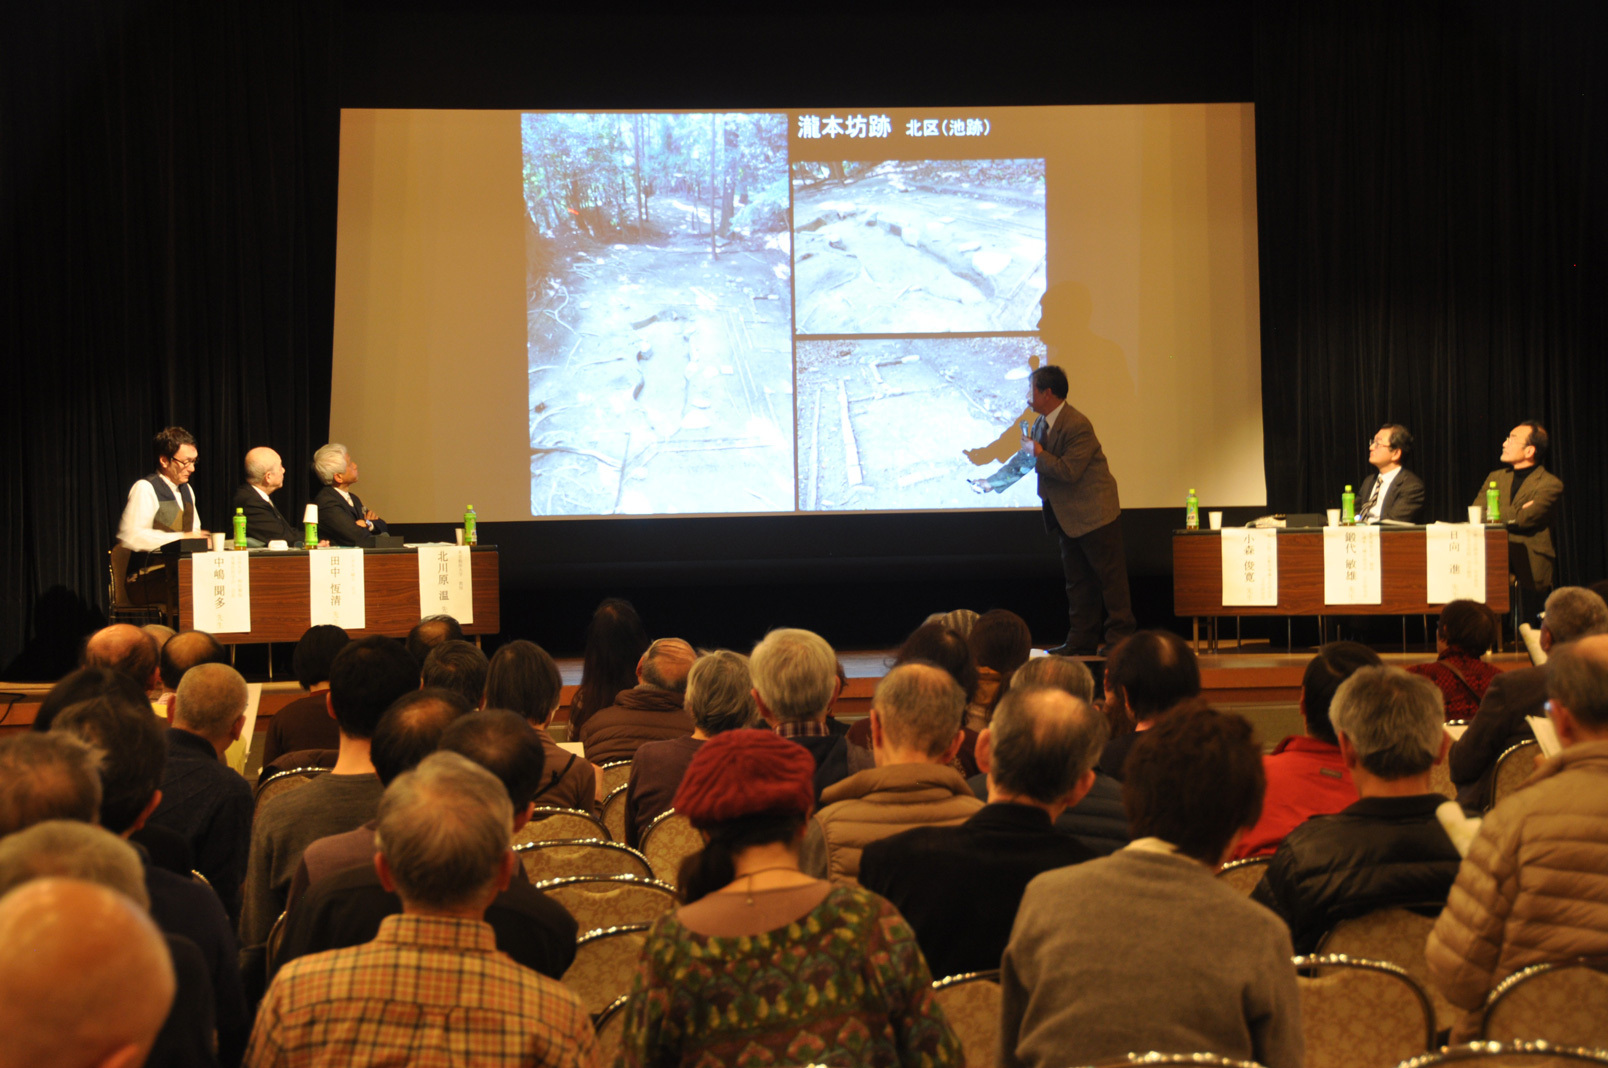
x=221 y=586
x=335 y=580
x=445 y=586
x=1250 y=566
x=1454 y=553
x=1351 y=572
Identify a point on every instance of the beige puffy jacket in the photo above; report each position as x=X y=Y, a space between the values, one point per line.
x=1534 y=886
x=870 y=805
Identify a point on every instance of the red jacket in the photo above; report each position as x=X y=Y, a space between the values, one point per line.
x=1305 y=777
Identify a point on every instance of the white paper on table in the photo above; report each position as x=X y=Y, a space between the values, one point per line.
x=1250 y=566
x=1351 y=573
x=1454 y=558
x=573 y=747
x=220 y=584
x=1456 y=730
x=240 y=748
x=335 y=581
x=445 y=586
x=1545 y=734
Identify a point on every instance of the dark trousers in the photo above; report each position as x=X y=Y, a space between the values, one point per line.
x=1096 y=571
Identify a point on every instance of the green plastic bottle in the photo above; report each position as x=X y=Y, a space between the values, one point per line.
x=1348 y=507
x=1493 y=510
x=1191 y=511
x=240 y=528
x=310 y=535
x=469 y=536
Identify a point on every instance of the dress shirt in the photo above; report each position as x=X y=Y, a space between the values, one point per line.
x=1380 y=491
x=136 y=530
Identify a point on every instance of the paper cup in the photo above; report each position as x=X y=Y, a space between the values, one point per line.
x=1476 y=514
x=217 y=543
x=458 y=533
x=1215 y=519
x=1334 y=517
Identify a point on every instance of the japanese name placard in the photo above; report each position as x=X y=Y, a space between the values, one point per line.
x=1351 y=573
x=445 y=587
x=336 y=587
x=1454 y=553
x=1250 y=567
x=221 y=586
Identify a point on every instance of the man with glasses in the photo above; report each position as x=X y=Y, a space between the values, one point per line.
x=161 y=509
x=1390 y=491
x=1527 y=497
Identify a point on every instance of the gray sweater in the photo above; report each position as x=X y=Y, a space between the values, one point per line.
x=1144 y=951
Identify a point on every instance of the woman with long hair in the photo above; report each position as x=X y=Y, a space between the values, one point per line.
x=615 y=641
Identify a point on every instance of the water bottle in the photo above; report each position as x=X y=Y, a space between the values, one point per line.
x=1348 y=507
x=240 y=528
x=1493 y=510
x=469 y=527
x=1192 y=512
x=310 y=536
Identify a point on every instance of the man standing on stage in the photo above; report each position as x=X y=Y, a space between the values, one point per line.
x=161 y=508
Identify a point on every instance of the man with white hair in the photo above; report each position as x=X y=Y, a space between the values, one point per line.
x=1388 y=848
x=342 y=519
x=795 y=682
x=432 y=983
x=265 y=474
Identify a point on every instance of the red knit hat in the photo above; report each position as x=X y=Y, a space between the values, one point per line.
x=743 y=773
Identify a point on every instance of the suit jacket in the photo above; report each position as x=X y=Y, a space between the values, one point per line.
x=1498 y=725
x=1073 y=479
x=263 y=520
x=337 y=520
x=1403 y=500
x=1529 y=522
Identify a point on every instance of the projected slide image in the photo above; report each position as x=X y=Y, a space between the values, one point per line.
x=884 y=423
x=658 y=313
x=924 y=246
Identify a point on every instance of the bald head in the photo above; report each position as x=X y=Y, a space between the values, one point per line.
x=125 y=649
x=1043 y=740
x=184 y=651
x=211 y=699
x=665 y=665
x=263 y=468
x=121 y=977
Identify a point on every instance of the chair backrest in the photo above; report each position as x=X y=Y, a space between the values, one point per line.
x=276 y=938
x=667 y=841
x=1177 y=1060
x=610 y=902
x=561 y=825
x=282 y=782
x=1243 y=875
x=1565 y=1002
x=971 y=1003
x=614 y=812
x=614 y=773
x=1440 y=779
x=555 y=860
x=604 y=964
x=1513 y=767
x=1361 y=1012
x=1397 y=936
x=1504 y=1055
x=610 y=1028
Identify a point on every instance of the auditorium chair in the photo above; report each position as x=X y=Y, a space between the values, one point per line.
x=1440 y=775
x=614 y=812
x=614 y=774
x=609 y=901
x=667 y=841
x=605 y=963
x=1361 y=1013
x=611 y=1030
x=1243 y=875
x=561 y=825
x=1564 y=1002
x=282 y=782
x=1513 y=768
x=1155 y=1059
x=1509 y=1055
x=971 y=1003
x=122 y=609
x=1396 y=935
x=556 y=860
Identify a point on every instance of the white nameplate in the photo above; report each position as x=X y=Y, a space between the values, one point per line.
x=1454 y=556
x=1250 y=566
x=445 y=587
x=220 y=584
x=1351 y=572
x=335 y=580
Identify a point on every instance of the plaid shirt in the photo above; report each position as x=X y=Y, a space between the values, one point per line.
x=802 y=728
x=427 y=991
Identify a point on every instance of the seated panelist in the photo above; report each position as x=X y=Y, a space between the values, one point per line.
x=342 y=519
x=161 y=509
x=1390 y=491
x=265 y=474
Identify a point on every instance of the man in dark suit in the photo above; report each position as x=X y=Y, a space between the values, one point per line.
x=1527 y=496
x=1390 y=491
x=959 y=887
x=342 y=519
x=265 y=474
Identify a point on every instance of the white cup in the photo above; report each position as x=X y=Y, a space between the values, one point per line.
x=458 y=533
x=1334 y=517
x=217 y=543
x=1215 y=519
x=1476 y=514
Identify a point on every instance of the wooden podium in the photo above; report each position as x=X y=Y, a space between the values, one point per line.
x=280 y=602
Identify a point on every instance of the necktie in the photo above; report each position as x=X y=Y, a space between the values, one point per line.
x=1373 y=500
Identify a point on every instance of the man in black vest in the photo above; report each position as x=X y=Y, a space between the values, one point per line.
x=264 y=475
x=161 y=508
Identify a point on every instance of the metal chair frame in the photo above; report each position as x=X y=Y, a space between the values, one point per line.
x=599 y=843
x=1479 y=1051
x=1512 y=752
x=1341 y=960
x=1500 y=992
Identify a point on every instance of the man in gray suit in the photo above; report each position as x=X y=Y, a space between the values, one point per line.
x=1080 y=508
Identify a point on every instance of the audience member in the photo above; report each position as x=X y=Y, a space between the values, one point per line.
x=1573 y=612
x=430 y=632
x=650 y=711
x=1150 y=672
x=915 y=732
x=959 y=887
x=844 y=981
x=930 y=643
x=1306 y=775
x=82 y=685
x=1465 y=633
x=1387 y=849
x=186 y=650
x=306 y=723
x=1534 y=886
x=960 y=620
x=46 y=777
x=615 y=642
x=796 y=680
x=443 y=833
x=720 y=697
x=127 y=650
x=1146 y=949
x=203 y=799
x=160 y=633
x=523 y=679
x=1000 y=642
x=457 y=666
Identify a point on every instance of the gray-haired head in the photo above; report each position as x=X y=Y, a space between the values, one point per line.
x=920 y=707
x=209 y=699
x=1043 y=740
x=72 y=850
x=1577 y=679
x=1574 y=612
x=960 y=620
x=1059 y=672
x=443 y=829
x=329 y=461
x=795 y=673
x=665 y=664
x=1394 y=720
x=720 y=692
x=52 y=776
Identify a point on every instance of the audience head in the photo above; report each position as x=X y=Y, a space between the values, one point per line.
x=411 y=729
x=125 y=649
x=1154 y=669
x=795 y=674
x=184 y=651
x=917 y=708
x=160 y=633
x=442 y=832
x=523 y=678
x=430 y=632
x=315 y=653
x=1043 y=742
x=615 y=641
x=368 y=675
x=961 y=620
x=1195 y=780
x=720 y=692
x=459 y=667
x=211 y=702
x=330 y=462
x=665 y=664
x=1573 y=612
x=1467 y=626
x=1333 y=665
x=128 y=739
x=1577 y=684
x=86 y=978
x=944 y=648
x=47 y=777
x=1059 y=672
x=506 y=745
x=71 y=849
x=1000 y=641
x=1394 y=721
x=82 y=685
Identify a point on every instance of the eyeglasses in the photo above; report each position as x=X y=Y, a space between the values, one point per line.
x=184 y=463
x=1378 y=445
